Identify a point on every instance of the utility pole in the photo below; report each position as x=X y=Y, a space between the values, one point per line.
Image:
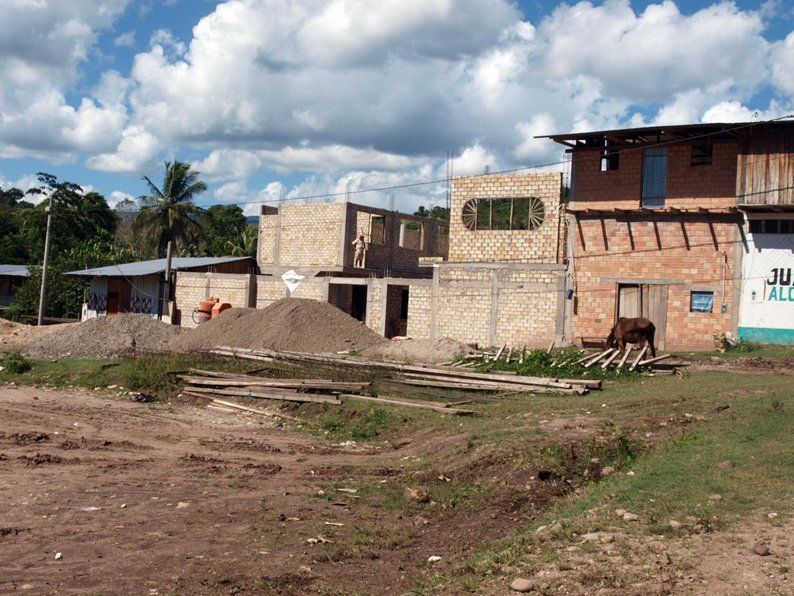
x=168 y=258
x=46 y=260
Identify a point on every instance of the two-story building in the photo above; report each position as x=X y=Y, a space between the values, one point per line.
x=657 y=219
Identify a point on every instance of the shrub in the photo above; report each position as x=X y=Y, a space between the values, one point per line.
x=16 y=363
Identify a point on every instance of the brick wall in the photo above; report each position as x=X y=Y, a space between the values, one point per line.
x=490 y=305
x=269 y=289
x=191 y=288
x=542 y=245
x=682 y=252
x=687 y=186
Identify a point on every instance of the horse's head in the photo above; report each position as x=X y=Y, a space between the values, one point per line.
x=610 y=341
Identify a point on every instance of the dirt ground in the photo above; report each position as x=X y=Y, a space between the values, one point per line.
x=150 y=498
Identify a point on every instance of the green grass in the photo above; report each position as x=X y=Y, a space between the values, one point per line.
x=748 y=350
x=672 y=480
x=538 y=363
x=151 y=373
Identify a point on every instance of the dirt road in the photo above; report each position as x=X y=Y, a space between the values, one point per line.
x=141 y=498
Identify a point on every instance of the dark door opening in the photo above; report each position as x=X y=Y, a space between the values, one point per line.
x=358 y=305
x=644 y=300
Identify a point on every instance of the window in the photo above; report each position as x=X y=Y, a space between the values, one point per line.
x=701 y=154
x=772 y=226
x=610 y=158
x=701 y=301
x=654 y=176
x=377 y=229
x=412 y=234
x=520 y=213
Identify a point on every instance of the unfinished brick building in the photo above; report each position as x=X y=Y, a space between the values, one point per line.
x=657 y=225
x=504 y=282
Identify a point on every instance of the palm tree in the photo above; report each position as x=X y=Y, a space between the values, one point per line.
x=245 y=246
x=168 y=216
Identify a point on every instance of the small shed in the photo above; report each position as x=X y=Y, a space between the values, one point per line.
x=11 y=277
x=138 y=287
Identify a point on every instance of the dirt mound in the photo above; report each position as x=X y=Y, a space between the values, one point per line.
x=16 y=336
x=294 y=324
x=429 y=351
x=105 y=337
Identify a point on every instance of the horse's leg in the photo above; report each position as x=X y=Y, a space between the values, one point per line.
x=651 y=336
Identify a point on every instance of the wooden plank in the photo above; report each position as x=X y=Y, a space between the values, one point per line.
x=609 y=360
x=509 y=355
x=626 y=352
x=285 y=383
x=499 y=353
x=523 y=354
x=582 y=359
x=589 y=383
x=428 y=370
x=411 y=404
x=639 y=357
x=551 y=347
x=297 y=397
x=657 y=359
x=236 y=406
x=603 y=354
x=453 y=383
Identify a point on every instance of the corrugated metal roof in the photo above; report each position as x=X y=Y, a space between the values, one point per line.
x=155 y=266
x=14 y=271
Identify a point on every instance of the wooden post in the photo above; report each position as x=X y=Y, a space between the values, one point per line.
x=603 y=354
x=656 y=359
x=639 y=357
x=609 y=360
x=629 y=348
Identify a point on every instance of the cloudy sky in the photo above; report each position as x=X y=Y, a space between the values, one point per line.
x=316 y=96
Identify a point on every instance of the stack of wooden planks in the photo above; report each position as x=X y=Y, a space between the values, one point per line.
x=436 y=376
x=221 y=388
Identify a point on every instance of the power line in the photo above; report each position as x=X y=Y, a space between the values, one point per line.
x=506 y=171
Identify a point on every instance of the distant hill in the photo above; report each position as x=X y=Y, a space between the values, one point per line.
x=252 y=220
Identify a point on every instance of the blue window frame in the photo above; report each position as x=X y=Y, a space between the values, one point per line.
x=701 y=301
x=654 y=176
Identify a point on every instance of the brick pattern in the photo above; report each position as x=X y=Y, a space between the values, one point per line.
x=395 y=325
x=192 y=288
x=269 y=289
x=687 y=186
x=688 y=251
x=542 y=245
x=420 y=311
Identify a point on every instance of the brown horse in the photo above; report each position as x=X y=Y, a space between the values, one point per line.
x=632 y=331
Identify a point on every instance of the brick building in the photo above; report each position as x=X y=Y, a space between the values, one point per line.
x=658 y=228
x=504 y=282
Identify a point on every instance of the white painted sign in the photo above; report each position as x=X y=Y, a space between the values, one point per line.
x=292 y=279
x=767 y=310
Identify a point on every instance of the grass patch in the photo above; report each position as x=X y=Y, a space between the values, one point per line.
x=745 y=349
x=538 y=363
x=16 y=364
x=361 y=421
x=671 y=480
x=149 y=373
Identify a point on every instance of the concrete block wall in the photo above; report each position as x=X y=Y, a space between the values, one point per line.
x=517 y=305
x=271 y=289
x=688 y=186
x=542 y=245
x=191 y=288
x=306 y=235
x=684 y=253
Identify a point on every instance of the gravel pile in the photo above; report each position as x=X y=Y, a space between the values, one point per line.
x=428 y=351
x=292 y=324
x=105 y=337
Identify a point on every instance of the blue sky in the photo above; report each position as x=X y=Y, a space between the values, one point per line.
x=313 y=96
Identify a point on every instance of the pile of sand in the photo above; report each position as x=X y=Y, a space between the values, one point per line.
x=105 y=337
x=291 y=324
x=17 y=336
x=428 y=351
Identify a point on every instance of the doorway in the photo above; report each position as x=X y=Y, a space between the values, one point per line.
x=644 y=300
x=358 y=304
x=118 y=296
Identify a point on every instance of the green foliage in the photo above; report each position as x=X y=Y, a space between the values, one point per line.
x=359 y=423
x=742 y=346
x=16 y=363
x=223 y=225
x=435 y=212
x=538 y=363
x=169 y=213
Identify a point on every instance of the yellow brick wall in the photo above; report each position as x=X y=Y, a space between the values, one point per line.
x=191 y=288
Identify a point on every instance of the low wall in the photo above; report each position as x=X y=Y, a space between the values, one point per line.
x=239 y=290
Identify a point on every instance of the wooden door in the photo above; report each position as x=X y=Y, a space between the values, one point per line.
x=653 y=302
x=629 y=301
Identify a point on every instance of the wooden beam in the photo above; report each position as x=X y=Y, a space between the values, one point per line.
x=627 y=351
x=657 y=359
x=297 y=397
x=425 y=405
x=639 y=357
x=599 y=357
x=609 y=360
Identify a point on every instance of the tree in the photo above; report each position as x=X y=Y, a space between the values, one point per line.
x=223 y=224
x=169 y=214
x=435 y=212
x=245 y=245
x=10 y=197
